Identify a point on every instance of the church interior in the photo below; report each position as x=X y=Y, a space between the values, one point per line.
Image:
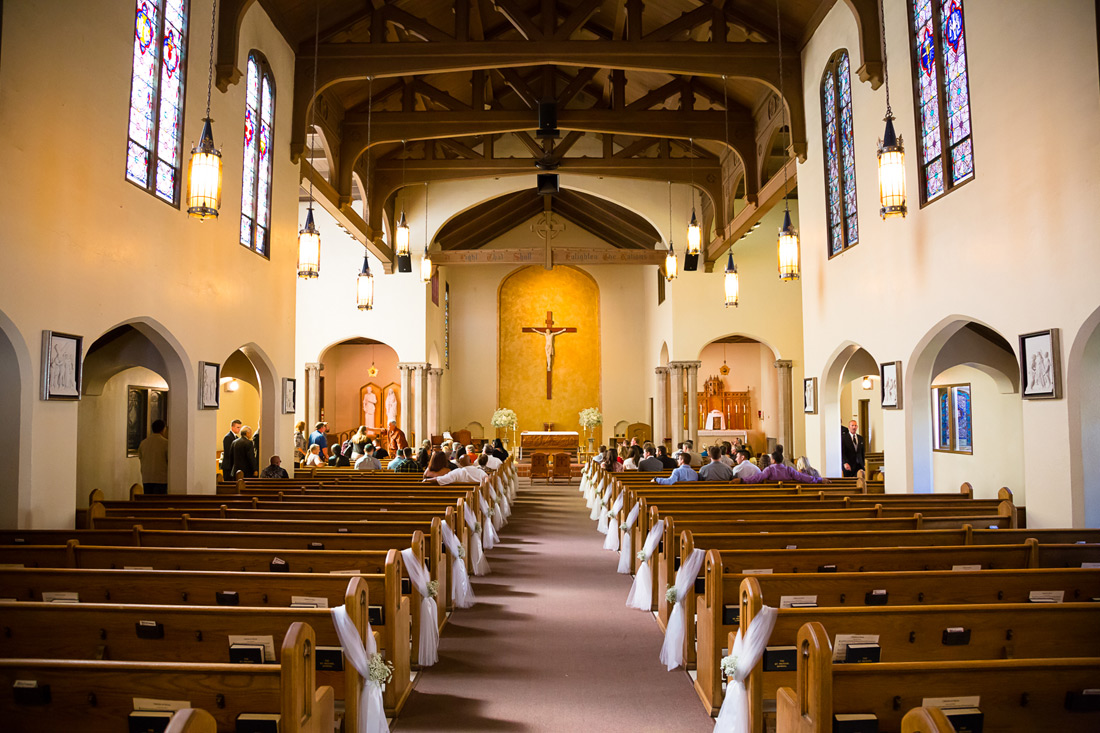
x=613 y=220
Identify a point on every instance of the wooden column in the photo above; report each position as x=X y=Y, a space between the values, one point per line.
x=660 y=407
x=676 y=390
x=692 y=370
x=786 y=433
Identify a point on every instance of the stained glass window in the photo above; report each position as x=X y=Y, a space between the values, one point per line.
x=156 y=97
x=942 y=92
x=840 y=159
x=953 y=418
x=259 y=120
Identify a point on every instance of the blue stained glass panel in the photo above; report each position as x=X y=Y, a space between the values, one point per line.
x=943 y=432
x=137 y=164
x=933 y=178
x=832 y=164
x=963 y=434
x=258 y=153
x=962 y=160
x=166 y=181
x=246 y=229
x=847 y=146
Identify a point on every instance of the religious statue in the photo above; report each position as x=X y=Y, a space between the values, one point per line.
x=548 y=333
x=549 y=344
x=370 y=408
x=391 y=406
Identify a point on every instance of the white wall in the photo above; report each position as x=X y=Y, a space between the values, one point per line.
x=1024 y=225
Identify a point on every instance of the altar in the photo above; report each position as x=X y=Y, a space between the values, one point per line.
x=548 y=441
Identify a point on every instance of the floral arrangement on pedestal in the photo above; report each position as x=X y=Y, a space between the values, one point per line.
x=505 y=418
x=590 y=417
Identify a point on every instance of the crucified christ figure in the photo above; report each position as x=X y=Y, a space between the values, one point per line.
x=549 y=344
x=548 y=333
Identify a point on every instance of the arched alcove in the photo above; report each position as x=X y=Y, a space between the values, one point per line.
x=961 y=350
x=256 y=402
x=748 y=397
x=361 y=381
x=1083 y=401
x=843 y=398
x=134 y=374
x=15 y=433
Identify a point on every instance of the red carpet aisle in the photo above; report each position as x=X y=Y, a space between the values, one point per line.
x=550 y=645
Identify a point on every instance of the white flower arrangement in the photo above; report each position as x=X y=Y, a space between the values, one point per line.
x=729 y=666
x=503 y=418
x=591 y=417
x=624 y=527
x=379 y=670
x=477 y=527
x=670 y=595
x=641 y=555
x=433 y=588
x=461 y=552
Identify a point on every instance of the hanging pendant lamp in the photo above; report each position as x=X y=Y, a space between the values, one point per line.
x=732 y=285
x=670 y=258
x=401 y=233
x=787 y=249
x=364 y=288
x=309 y=238
x=426 y=260
x=204 y=191
x=891 y=149
x=694 y=232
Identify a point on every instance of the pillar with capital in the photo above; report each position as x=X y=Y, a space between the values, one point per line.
x=434 y=376
x=660 y=407
x=676 y=390
x=313 y=394
x=405 y=414
x=786 y=434
x=420 y=402
x=691 y=368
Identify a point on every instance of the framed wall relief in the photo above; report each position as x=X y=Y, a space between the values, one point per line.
x=290 y=395
x=809 y=398
x=209 y=383
x=1041 y=365
x=890 y=385
x=62 y=355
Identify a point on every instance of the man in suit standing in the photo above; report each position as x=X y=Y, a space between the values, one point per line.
x=851 y=449
x=243 y=454
x=227 y=443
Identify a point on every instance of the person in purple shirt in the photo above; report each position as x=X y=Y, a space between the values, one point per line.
x=779 y=472
x=682 y=472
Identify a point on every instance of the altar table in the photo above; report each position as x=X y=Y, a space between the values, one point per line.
x=554 y=441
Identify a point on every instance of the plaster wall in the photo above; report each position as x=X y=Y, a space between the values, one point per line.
x=850 y=395
x=751 y=369
x=85 y=250
x=1006 y=267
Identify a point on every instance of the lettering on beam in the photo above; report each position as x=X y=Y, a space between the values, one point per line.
x=560 y=256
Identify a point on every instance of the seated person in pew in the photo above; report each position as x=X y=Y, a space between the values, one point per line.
x=803 y=465
x=776 y=472
x=404 y=462
x=666 y=460
x=611 y=462
x=650 y=462
x=683 y=472
x=438 y=465
x=745 y=468
x=314 y=456
x=368 y=462
x=494 y=462
x=274 y=469
x=464 y=473
x=340 y=455
x=726 y=457
x=715 y=470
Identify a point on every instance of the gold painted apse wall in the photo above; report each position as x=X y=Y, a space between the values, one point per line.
x=522 y=301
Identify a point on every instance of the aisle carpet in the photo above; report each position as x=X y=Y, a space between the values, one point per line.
x=550 y=646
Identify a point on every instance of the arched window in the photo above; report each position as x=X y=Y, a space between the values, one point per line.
x=156 y=97
x=259 y=116
x=942 y=91
x=840 y=155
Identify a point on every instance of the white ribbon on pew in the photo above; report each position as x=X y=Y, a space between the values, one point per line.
x=584 y=476
x=460 y=579
x=602 y=527
x=429 y=611
x=488 y=533
x=593 y=491
x=672 y=651
x=478 y=562
x=372 y=712
x=599 y=508
x=734 y=715
x=626 y=556
x=612 y=541
x=641 y=593
x=498 y=515
x=506 y=507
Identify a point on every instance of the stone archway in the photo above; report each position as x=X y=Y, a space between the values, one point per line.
x=15 y=432
x=1083 y=401
x=848 y=364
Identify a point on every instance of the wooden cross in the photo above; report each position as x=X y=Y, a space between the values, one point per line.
x=549 y=333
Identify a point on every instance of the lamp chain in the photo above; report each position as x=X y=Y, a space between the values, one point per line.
x=885 y=66
x=726 y=114
x=210 y=75
x=313 y=104
x=782 y=100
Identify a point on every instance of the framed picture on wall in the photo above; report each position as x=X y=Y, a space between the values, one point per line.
x=61 y=365
x=809 y=399
x=290 y=394
x=890 y=385
x=1041 y=365
x=209 y=384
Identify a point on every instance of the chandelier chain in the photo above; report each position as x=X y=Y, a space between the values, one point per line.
x=210 y=75
x=313 y=102
x=782 y=101
x=885 y=66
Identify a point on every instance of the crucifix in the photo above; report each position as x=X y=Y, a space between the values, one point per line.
x=549 y=333
x=547 y=227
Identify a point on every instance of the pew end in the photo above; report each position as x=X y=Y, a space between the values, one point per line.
x=810 y=708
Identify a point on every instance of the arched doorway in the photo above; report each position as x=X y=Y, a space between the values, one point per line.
x=134 y=374
x=248 y=393
x=1083 y=401
x=15 y=433
x=849 y=390
x=738 y=381
x=361 y=385
x=963 y=411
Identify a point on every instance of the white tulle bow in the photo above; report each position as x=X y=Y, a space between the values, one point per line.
x=612 y=540
x=641 y=593
x=746 y=653
x=672 y=651
x=478 y=562
x=461 y=591
x=429 y=611
x=372 y=713
x=626 y=556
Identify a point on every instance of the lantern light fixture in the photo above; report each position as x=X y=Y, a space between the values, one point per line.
x=309 y=238
x=204 y=192
x=891 y=149
x=694 y=232
x=787 y=246
x=401 y=231
x=426 y=260
x=732 y=284
x=364 y=287
x=670 y=258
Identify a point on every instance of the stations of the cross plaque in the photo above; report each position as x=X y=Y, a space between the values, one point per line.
x=549 y=332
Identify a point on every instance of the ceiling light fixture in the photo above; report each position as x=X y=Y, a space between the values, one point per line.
x=891 y=149
x=670 y=258
x=309 y=238
x=694 y=233
x=426 y=261
x=401 y=236
x=204 y=195
x=787 y=246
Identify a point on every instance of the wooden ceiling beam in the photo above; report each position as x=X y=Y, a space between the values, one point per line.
x=576 y=85
x=687 y=22
x=576 y=19
x=519 y=20
x=415 y=25
x=519 y=85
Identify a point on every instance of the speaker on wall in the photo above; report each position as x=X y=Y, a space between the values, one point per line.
x=548 y=120
x=547 y=183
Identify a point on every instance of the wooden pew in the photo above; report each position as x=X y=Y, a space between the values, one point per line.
x=851 y=590
x=97 y=696
x=1015 y=694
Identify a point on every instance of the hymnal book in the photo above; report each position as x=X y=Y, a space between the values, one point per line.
x=826 y=569
x=780 y=658
x=700 y=585
x=406 y=587
x=227 y=598
x=376 y=616
x=862 y=653
x=330 y=658
x=258 y=723
x=1046 y=596
x=246 y=653
x=149 y=629
x=965 y=568
x=731 y=615
x=876 y=598
x=798 y=601
x=1085 y=701
x=842 y=641
x=965 y=720
x=149 y=721
x=855 y=723
x=60 y=597
x=264 y=641
x=29 y=692
x=278 y=565
x=956 y=636
x=316 y=545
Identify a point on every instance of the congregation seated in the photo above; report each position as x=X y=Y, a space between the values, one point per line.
x=744 y=467
x=313 y=458
x=683 y=472
x=650 y=462
x=688 y=446
x=358 y=444
x=423 y=458
x=611 y=462
x=339 y=457
x=803 y=465
x=666 y=460
x=776 y=472
x=498 y=449
x=368 y=462
x=598 y=458
x=726 y=453
x=380 y=453
x=465 y=473
x=439 y=464
x=493 y=463
x=404 y=462
x=274 y=469
x=633 y=459
x=715 y=470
